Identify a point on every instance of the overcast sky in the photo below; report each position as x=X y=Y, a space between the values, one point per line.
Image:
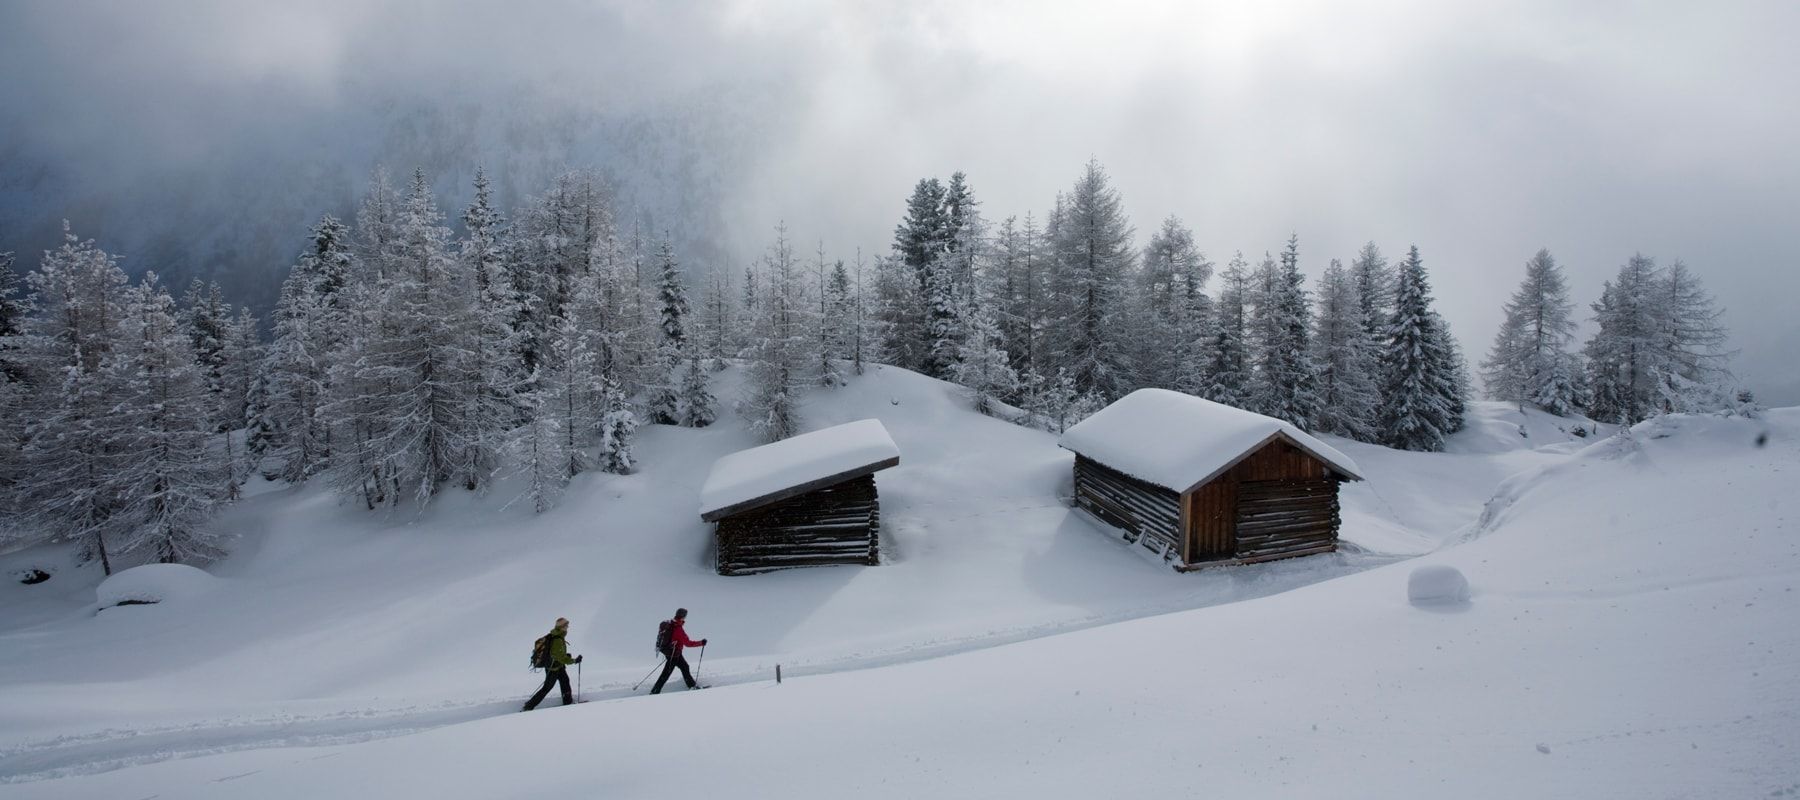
x=1479 y=131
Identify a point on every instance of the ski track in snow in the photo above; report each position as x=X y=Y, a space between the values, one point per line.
x=113 y=748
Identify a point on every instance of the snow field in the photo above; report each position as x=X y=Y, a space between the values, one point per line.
x=338 y=626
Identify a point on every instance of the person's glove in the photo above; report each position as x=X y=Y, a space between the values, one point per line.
x=579 y=658
x=702 y=642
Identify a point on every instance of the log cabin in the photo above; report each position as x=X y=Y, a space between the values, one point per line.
x=804 y=501
x=1205 y=484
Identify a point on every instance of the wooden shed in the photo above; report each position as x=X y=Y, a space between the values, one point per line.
x=1205 y=484
x=805 y=501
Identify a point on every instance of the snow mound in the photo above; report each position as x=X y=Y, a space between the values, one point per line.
x=153 y=583
x=1437 y=585
x=1179 y=441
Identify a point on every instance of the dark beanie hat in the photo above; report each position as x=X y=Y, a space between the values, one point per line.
x=680 y=613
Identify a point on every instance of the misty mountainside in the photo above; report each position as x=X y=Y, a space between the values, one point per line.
x=238 y=213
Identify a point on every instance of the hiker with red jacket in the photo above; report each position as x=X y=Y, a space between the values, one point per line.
x=671 y=647
x=553 y=656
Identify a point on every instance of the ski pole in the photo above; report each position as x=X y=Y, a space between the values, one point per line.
x=578 y=694
x=634 y=687
x=701 y=661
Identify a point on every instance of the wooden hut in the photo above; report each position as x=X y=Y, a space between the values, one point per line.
x=805 y=501
x=1203 y=483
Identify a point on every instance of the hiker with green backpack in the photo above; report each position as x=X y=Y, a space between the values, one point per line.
x=550 y=653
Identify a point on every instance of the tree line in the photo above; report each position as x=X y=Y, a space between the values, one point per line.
x=404 y=358
x=1060 y=318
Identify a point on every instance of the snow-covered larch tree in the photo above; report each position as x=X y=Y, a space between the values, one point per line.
x=1345 y=361
x=64 y=491
x=491 y=406
x=168 y=481
x=1693 y=376
x=1091 y=253
x=779 y=348
x=1529 y=362
x=1171 y=309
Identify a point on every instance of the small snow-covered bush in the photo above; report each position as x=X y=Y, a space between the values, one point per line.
x=153 y=583
x=1437 y=584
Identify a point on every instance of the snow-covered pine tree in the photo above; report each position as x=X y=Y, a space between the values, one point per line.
x=1345 y=361
x=664 y=406
x=259 y=433
x=943 y=323
x=294 y=433
x=839 y=299
x=491 y=409
x=1091 y=255
x=698 y=407
x=378 y=227
x=778 y=351
x=241 y=358
x=1056 y=401
x=68 y=455
x=1456 y=396
x=13 y=389
x=618 y=425
x=718 y=333
x=544 y=456
x=899 y=313
x=1172 y=307
x=1418 y=384
x=829 y=324
x=983 y=366
x=1374 y=283
x=570 y=394
x=1626 y=353
x=964 y=232
x=1021 y=314
x=166 y=478
x=1529 y=359
x=861 y=326
x=563 y=239
x=1284 y=383
x=205 y=318
x=634 y=350
x=1228 y=361
x=13 y=310
x=1694 y=376
x=919 y=243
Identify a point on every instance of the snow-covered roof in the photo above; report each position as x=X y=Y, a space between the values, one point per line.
x=762 y=475
x=1178 y=441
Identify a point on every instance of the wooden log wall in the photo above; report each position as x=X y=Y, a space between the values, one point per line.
x=1285 y=518
x=1276 y=503
x=1149 y=515
x=838 y=524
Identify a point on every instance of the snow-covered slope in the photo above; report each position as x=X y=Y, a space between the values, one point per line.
x=339 y=624
x=1629 y=635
